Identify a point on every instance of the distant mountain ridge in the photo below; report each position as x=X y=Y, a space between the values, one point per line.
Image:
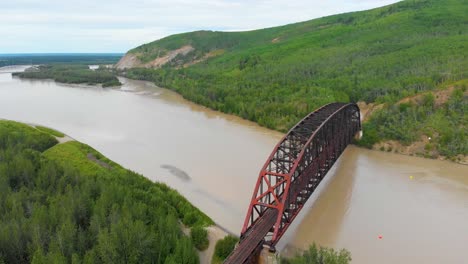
x=54 y=58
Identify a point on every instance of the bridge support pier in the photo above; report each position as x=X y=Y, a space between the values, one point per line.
x=358 y=135
x=268 y=257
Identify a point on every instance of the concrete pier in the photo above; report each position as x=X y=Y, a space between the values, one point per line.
x=268 y=257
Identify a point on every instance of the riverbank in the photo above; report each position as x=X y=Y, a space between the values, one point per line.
x=149 y=129
x=424 y=146
x=417 y=205
x=419 y=148
x=430 y=124
x=87 y=195
x=215 y=233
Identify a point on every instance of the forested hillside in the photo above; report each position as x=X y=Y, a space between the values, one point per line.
x=275 y=76
x=428 y=124
x=66 y=203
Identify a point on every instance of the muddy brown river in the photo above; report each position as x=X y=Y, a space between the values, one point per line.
x=418 y=207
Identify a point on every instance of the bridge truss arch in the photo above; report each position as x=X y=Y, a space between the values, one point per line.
x=292 y=172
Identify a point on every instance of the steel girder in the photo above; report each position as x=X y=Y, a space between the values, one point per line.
x=296 y=167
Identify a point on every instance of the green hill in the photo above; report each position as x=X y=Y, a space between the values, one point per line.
x=67 y=203
x=275 y=76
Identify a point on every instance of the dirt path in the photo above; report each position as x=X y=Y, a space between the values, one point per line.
x=64 y=139
x=215 y=233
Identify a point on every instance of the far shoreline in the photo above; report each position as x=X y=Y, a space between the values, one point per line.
x=233 y=117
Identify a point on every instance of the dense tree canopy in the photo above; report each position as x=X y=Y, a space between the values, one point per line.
x=66 y=203
x=73 y=73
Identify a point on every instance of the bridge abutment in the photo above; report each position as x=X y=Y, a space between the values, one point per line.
x=268 y=257
x=358 y=135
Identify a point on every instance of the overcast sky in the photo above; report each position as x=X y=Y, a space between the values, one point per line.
x=29 y=26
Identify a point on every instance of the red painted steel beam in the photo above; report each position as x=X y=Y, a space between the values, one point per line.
x=292 y=172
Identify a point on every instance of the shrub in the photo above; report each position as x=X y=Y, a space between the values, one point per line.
x=199 y=237
x=319 y=255
x=429 y=147
x=369 y=136
x=224 y=247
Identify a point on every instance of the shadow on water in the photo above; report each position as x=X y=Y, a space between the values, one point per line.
x=185 y=177
x=182 y=175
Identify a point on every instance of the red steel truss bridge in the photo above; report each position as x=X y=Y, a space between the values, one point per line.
x=291 y=174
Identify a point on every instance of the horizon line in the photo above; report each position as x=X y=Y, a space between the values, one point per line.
x=62 y=53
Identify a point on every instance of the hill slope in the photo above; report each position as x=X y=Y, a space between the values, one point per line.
x=275 y=76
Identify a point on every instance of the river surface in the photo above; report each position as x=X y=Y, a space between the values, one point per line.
x=419 y=207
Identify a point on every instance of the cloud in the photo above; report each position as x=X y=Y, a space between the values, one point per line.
x=118 y=25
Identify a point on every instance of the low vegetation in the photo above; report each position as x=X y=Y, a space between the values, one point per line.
x=199 y=237
x=320 y=255
x=76 y=73
x=66 y=203
x=276 y=76
x=444 y=124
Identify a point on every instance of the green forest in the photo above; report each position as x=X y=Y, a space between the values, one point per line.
x=72 y=73
x=66 y=203
x=275 y=76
